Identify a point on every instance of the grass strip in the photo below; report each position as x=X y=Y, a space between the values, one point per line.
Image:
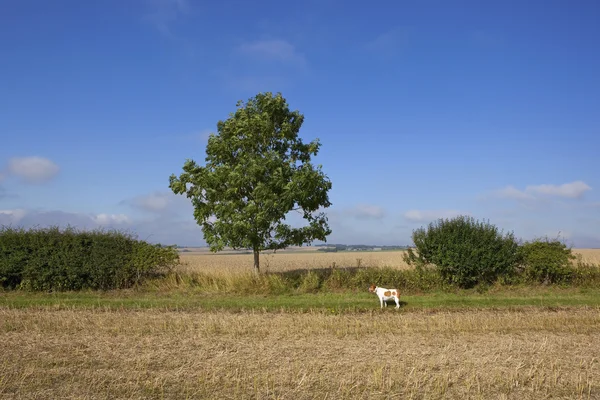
x=324 y=302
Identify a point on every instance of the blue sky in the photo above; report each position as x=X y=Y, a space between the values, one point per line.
x=425 y=109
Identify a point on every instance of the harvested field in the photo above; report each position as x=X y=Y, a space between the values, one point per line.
x=93 y=354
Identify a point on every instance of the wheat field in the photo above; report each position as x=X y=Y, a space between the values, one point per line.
x=227 y=263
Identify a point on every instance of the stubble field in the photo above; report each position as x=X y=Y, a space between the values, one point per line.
x=92 y=354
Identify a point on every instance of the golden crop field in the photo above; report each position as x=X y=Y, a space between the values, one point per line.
x=154 y=354
x=591 y=256
x=288 y=260
x=285 y=261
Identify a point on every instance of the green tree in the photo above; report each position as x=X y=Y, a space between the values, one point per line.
x=257 y=171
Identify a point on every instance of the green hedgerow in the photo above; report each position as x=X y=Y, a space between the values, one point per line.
x=54 y=259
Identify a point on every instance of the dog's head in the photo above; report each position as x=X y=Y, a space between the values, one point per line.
x=372 y=288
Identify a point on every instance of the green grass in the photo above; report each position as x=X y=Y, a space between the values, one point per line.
x=323 y=302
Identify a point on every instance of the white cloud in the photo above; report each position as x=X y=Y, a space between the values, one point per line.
x=431 y=215
x=33 y=169
x=367 y=211
x=111 y=219
x=510 y=192
x=10 y=217
x=166 y=229
x=154 y=202
x=272 y=50
x=162 y=202
x=572 y=190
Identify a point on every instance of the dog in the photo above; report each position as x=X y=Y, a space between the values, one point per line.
x=385 y=295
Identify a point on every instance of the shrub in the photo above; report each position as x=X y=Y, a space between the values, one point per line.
x=585 y=274
x=51 y=259
x=466 y=252
x=15 y=251
x=546 y=261
x=148 y=259
x=338 y=279
x=311 y=282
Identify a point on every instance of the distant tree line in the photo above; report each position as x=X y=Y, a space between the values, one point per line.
x=332 y=248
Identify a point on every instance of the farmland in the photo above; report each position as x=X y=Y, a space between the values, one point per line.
x=204 y=261
x=176 y=341
x=285 y=261
x=95 y=354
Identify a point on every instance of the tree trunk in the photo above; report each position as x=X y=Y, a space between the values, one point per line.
x=256 y=262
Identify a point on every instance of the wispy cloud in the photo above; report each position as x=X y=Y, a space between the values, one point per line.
x=366 y=211
x=11 y=217
x=389 y=42
x=33 y=169
x=163 y=14
x=264 y=65
x=510 y=192
x=572 y=190
x=275 y=50
x=166 y=229
x=431 y=215
x=33 y=218
x=154 y=202
x=161 y=202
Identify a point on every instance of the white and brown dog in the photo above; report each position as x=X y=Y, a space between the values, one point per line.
x=385 y=295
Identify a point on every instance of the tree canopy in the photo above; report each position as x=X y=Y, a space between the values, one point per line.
x=257 y=171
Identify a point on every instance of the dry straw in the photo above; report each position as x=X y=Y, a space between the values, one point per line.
x=529 y=354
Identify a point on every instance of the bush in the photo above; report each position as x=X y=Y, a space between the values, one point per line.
x=466 y=252
x=585 y=274
x=546 y=261
x=51 y=259
x=311 y=282
x=15 y=251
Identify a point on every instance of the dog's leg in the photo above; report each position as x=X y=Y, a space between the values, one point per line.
x=381 y=301
x=397 y=302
